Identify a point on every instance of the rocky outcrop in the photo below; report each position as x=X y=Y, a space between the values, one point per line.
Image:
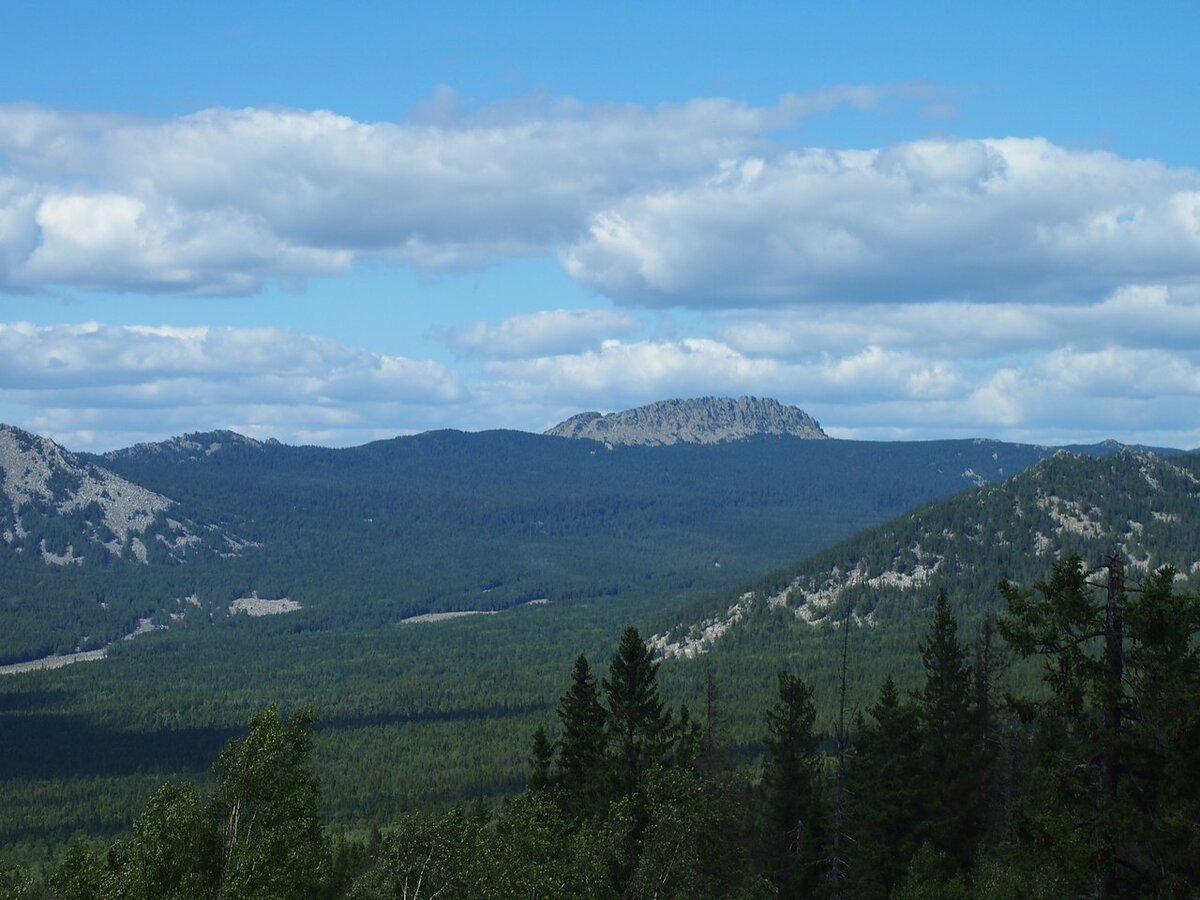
x=706 y=420
x=41 y=481
x=189 y=447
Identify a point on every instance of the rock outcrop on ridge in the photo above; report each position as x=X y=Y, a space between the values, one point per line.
x=705 y=420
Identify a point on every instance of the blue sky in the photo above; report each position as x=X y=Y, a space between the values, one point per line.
x=330 y=225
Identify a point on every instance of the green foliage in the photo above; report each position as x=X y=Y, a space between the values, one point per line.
x=1008 y=874
x=581 y=746
x=526 y=852
x=927 y=878
x=696 y=842
x=16 y=883
x=678 y=832
x=82 y=876
x=886 y=784
x=636 y=724
x=256 y=837
x=173 y=851
x=264 y=812
x=794 y=817
x=1124 y=671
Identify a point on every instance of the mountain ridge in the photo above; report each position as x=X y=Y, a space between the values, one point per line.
x=449 y=521
x=702 y=420
x=43 y=482
x=439 y=522
x=1131 y=501
x=191 y=445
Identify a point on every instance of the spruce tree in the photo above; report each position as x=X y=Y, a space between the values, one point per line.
x=637 y=726
x=686 y=740
x=792 y=810
x=951 y=745
x=541 y=757
x=885 y=782
x=712 y=756
x=987 y=667
x=1123 y=669
x=581 y=746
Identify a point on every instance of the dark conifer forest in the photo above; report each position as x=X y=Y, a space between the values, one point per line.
x=990 y=695
x=1086 y=784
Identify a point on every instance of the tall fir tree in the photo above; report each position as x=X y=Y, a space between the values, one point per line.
x=885 y=781
x=949 y=730
x=581 y=759
x=793 y=813
x=987 y=668
x=637 y=726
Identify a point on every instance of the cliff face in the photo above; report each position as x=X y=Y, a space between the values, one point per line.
x=706 y=420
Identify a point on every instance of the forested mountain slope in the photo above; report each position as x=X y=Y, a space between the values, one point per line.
x=86 y=555
x=1142 y=504
x=446 y=521
x=451 y=520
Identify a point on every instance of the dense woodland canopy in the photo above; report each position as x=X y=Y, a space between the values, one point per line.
x=1087 y=785
x=593 y=743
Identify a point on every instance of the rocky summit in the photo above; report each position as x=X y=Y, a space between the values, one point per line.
x=705 y=420
x=189 y=447
x=60 y=506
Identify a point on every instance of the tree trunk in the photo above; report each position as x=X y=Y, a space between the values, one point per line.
x=1114 y=660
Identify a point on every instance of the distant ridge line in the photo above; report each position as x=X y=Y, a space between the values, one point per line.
x=703 y=420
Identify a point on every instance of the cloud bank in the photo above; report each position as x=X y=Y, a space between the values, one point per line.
x=971 y=220
x=1000 y=286
x=95 y=385
x=692 y=204
x=545 y=333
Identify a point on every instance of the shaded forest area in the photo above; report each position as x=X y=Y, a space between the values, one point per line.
x=1087 y=786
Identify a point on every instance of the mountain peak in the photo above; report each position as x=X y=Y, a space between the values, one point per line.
x=703 y=420
x=191 y=446
x=41 y=478
x=89 y=504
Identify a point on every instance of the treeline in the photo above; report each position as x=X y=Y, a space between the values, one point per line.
x=1090 y=787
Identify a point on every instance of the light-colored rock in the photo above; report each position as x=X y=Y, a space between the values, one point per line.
x=706 y=420
x=257 y=606
x=119 y=515
x=443 y=616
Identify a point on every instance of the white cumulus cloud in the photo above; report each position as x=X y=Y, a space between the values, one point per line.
x=691 y=204
x=101 y=379
x=642 y=371
x=544 y=333
x=220 y=201
x=966 y=220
